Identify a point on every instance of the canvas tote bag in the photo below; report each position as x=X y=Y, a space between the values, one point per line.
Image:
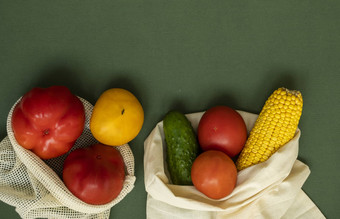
x=271 y=189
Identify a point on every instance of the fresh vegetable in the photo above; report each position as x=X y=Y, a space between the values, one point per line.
x=214 y=174
x=94 y=174
x=222 y=128
x=274 y=127
x=182 y=147
x=117 y=117
x=48 y=121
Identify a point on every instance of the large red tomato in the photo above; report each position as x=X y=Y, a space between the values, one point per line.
x=94 y=174
x=214 y=174
x=222 y=128
x=48 y=121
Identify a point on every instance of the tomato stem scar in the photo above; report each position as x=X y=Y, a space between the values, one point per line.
x=46 y=132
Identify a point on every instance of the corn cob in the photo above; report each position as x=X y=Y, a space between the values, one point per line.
x=274 y=127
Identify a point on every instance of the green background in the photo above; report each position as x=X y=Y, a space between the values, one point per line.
x=188 y=55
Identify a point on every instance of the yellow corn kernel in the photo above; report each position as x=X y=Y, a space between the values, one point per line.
x=277 y=121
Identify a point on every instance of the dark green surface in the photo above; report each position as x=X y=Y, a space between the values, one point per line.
x=188 y=55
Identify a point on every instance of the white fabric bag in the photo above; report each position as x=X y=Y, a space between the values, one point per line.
x=271 y=189
x=35 y=188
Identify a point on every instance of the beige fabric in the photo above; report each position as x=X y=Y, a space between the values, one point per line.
x=35 y=187
x=271 y=189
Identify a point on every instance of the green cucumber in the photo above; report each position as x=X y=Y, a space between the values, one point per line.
x=182 y=147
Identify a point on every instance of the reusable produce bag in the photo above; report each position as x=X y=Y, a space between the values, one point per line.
x=271 y=189
x=35 y=188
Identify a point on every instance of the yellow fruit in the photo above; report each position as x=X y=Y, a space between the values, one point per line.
x=117 y=117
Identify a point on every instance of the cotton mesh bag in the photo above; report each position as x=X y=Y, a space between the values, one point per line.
x=271 y=189
x=35 y=187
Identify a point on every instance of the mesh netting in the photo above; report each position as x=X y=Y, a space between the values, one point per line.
x=35 y=187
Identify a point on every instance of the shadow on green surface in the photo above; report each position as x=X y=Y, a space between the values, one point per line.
x=65 y=75
x=283 y=79
x=223 y=99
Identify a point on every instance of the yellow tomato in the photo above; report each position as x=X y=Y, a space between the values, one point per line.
x=117 y=117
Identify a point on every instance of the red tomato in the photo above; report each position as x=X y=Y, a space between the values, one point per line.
x=222 y=128
x=94 y=174
x=48 y=121
x=214 y=174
